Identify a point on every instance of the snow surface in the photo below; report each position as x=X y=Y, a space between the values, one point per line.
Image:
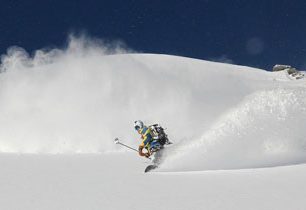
x=238 y=132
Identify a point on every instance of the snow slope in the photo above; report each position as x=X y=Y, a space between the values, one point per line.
x=61 y=109
x=116 y=181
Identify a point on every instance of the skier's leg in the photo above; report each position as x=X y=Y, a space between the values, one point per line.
x=157 y=157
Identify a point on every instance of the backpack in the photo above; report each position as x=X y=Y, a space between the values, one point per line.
x=158 y=133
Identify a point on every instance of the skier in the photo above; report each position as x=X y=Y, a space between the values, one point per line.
x=149 y=143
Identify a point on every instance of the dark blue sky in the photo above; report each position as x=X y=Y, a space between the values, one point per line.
x=258 y=33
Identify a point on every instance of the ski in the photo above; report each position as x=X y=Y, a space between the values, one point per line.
x=150 y=168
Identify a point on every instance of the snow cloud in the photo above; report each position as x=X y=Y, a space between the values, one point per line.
x=54 y=101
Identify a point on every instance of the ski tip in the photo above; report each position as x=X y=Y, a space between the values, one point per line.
x=150 y=168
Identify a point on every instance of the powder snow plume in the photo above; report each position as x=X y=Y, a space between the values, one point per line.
x=54 y=101
x=78 y=99
x=266 y=129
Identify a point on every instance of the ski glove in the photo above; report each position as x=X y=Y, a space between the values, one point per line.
x=141 y=153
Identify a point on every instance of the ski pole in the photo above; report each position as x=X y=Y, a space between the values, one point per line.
x=118 y=142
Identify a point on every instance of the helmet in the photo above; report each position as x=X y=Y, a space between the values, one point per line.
x=138 y=124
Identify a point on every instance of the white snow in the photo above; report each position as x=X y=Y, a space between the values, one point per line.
x=238 y=132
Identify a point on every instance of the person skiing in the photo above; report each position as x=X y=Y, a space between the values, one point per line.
x=149 y=143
